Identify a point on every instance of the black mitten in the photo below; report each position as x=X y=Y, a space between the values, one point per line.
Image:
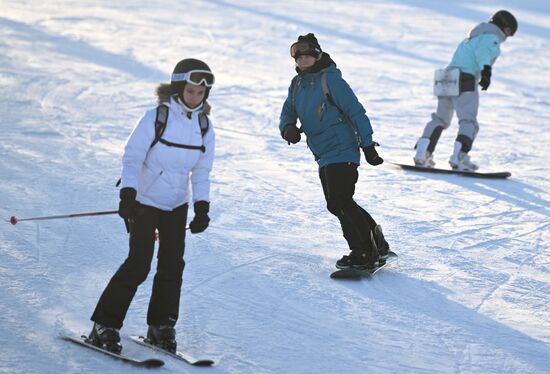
x=371 y=155
x=127 y=208
x=201 y=220
x=485 y=80
x=291 y=134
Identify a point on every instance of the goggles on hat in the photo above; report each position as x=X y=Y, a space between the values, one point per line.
x=304 y=48
x=196 y=77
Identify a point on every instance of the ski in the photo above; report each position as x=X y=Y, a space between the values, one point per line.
x=179 y=355
x=474 y=174
x=83 y=341
x=358 y=274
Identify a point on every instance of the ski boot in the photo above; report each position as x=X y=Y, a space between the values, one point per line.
x=163 y=337
x=381 y=244
x=460 y=160
x=106 y=338
x=423 y=157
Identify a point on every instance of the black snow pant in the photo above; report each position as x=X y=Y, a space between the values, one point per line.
x=165 y=298
x=338 y=181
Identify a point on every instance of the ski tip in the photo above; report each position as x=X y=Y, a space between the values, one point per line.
x=153 y=363
x=203 y=363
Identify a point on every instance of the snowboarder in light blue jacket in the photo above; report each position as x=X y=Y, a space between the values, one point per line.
x=337 y=128
x=474 y=58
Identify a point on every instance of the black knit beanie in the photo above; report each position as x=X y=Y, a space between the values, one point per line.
x=309 y=38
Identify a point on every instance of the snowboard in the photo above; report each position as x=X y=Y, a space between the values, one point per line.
x=83 y=341
x=179 y=355
x=359 y=274
x=474 y=174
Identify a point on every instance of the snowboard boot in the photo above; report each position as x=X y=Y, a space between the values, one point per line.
x=423 y=157
x=106 y=338
x=361 y=259
x=163 y=337
x=460 y=160
x=381 y=244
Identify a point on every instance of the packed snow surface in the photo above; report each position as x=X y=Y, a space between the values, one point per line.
x=470 y=292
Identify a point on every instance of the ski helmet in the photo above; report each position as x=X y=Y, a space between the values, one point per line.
x=504 y=19
x=192 y=71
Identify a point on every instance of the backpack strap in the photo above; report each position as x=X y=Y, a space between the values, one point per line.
x=324 y=86
x=160 y=123
x=161 y=120
x=296 y=82
x=326 y=90
x=204 y=123
x=201 y=148
x=345 y=117
x=326 y=93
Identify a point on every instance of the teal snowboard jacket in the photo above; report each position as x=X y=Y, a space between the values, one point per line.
x=332 y=136
x=482 y=47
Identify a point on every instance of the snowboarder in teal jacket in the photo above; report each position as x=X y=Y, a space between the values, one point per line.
x=474 y=58
x=337 y=128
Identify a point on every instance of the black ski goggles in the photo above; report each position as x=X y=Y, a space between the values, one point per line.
x=304 y=48
x=196 y=77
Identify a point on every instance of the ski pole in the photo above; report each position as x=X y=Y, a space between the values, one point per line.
x=13 y=220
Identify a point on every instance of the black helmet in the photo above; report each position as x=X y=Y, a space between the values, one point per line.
x=193 y=71
x=503 y=19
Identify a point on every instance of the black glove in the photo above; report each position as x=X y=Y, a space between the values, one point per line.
x=201 y=220
x=127 y=208
x=485 y=80
x=372 y=156
x=291 y=134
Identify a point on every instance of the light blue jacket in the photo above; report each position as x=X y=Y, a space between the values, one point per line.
x=482 y=47
x=330 y=138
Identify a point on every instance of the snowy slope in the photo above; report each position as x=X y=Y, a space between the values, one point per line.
x=470 y=292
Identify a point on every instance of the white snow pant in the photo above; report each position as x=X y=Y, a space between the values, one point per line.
x=466 y=106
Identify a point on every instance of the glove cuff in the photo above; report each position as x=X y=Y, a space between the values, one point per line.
x=371 y=145
x=202 y=207
x=290 y=124
x=128 y=193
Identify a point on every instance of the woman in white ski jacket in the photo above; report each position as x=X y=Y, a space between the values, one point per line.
x=170 y=149
x=161 y=174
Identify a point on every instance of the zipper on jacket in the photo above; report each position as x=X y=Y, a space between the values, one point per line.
x=153 y=181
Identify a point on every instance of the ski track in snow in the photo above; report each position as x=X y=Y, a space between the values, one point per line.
x=470 y=290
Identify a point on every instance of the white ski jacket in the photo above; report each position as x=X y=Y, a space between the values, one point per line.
x=161 y=175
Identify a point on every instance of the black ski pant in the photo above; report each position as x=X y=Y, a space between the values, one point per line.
x=338 y=181
x=165 y=297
